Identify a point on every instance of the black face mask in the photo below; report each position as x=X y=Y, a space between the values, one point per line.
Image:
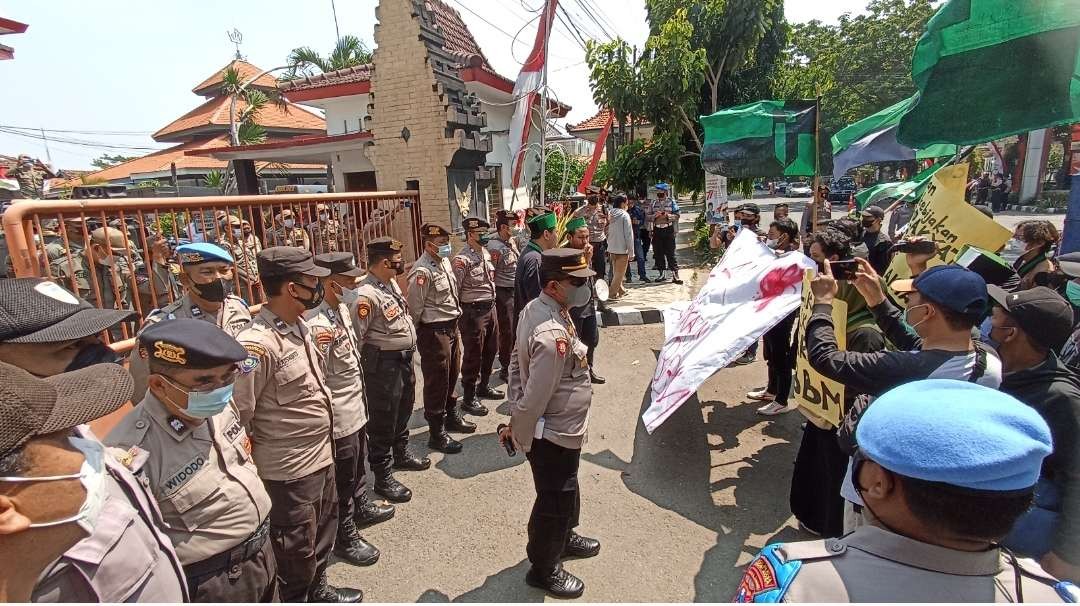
x=94 y=353
x=397 y=266
x=316 y=296
x=868 y=224
x=213 y=291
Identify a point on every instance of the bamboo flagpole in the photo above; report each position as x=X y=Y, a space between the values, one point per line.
x=817 y=166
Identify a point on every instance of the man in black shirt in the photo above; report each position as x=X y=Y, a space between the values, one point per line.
x=877 y=242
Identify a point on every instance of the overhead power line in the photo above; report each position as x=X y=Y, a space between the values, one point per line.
x=79 y=142
x=36 y=129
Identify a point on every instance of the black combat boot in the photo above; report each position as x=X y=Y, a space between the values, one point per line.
x=470 y=404
x=578 y=546
x=455 y=422
x=324 y=592
x=387 y=486
x=557 y=582
x=369 y=513
x=352 y=547
x=404 y=459
x=595 y=378
x=487 y=392
x=440 y=440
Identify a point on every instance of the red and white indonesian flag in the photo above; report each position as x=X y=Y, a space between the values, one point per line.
x=526 y=91
x=748 y=292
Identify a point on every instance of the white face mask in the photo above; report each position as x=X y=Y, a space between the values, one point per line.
x=580 y=295
x=238 y=233
x=92 y=476
x=323 y=216
x=771 y=242
x=349 y=296
x=289 y=223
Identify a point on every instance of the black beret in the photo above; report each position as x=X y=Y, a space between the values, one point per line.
x=505 y=217
x=189 y=343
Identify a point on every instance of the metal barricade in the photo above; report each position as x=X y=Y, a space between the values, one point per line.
x=52 y=239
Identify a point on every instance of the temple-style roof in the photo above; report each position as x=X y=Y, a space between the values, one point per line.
x=211 y=86
x=212 y=115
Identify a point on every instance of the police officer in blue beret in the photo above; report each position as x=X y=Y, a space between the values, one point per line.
x=206 y=269
x=944 y=469
x=186 y=442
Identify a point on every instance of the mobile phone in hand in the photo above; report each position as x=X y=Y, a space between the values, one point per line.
x=509 y=444
x=844 y=270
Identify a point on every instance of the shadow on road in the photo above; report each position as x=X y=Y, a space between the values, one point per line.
x=507 y=585
x=483 y=454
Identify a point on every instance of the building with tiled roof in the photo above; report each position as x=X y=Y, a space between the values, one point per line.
x=207 y=127
x=590 y=129
x=9 y=26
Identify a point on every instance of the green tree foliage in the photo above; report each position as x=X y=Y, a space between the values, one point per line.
x=615 y=80
x=562 y=174
x=349 y=51
x=107 y=161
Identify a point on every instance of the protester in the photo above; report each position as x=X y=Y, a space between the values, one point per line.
x=665 y=226
x=596 y=217
x=504 y=256
x=778 y=351
x=901 y=214
x=1037 y=239
x=747 y=216
x=781 y=211
x=620 y=245
x=637 y=223
x=474 y=274
x=878 y=244
x=584 y=315
x=999 y=192
x=550 y=396
x=944 y=468
x=982 y=189
x=543 y=234
x=1027 y=327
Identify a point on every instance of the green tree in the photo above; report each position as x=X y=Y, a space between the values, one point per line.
x=615 y=81
x=349 y=51
x=107 y=161
x=562 y=174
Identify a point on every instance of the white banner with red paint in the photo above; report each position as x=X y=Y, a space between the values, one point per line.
x=747 y=293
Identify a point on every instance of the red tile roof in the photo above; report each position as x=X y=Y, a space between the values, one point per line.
x=359 y=73
x=215 y=112
x=459 y=40
x=244 y=69
x=597 y=122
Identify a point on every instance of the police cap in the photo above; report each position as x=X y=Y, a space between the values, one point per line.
x=189 y=343
x=288 y=260
x=431 y=230
x=505 y=217
x=388 y=246
x=339 y=263
x=475 y=223
x=567 y=261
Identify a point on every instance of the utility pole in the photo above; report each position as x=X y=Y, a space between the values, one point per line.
x=337 y=32
x=45 y=140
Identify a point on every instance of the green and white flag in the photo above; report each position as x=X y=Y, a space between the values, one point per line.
x=884 y=194
x=873 y=139
x=987 y=69
x=762 y=139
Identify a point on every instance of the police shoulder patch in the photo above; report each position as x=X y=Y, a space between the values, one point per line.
x=562 y=345
x=768 y=577
x=363 y=309
x=255 y=355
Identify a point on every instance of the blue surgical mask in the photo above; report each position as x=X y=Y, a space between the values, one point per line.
x=205 y=404
x=444 y=251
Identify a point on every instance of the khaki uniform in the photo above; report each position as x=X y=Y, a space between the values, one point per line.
x=128 y=558
x=596 y=218
x=209 y=491
x=875 y=565
x=328 y=236
x=233 y=317
x=247 y=270
x=114 y=283
x=387 y=338
x=475 y=273
x=504 y=255
x=159 y=287
x=332 y=331
x=433 y=291
x=434 y=306
x=297 y=236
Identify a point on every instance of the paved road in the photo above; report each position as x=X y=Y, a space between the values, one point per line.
x=673 y=510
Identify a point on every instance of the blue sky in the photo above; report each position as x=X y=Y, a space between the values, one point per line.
x=128 y=67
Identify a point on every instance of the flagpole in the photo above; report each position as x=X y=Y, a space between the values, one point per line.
x=548 y=22
x=817 y=165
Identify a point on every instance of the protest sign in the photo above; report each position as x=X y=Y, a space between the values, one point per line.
x=943 y=215
x=747 y=293
x=820 y=398
x=716 y=199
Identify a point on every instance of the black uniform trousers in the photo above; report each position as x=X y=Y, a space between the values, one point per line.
x=440 y=360
x=479 y=341
x=780 y=355
x=252 y=580
x=350 y=455
x=643 y=235
x=558 y=502
x=303 y=526
x=599 y=260
x=664 y=248
x=390 y=384
x=587 y=330
x=507 y=322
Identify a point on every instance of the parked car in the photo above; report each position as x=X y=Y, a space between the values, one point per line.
x=842 y=189
x=798 y=190
x=780 y=187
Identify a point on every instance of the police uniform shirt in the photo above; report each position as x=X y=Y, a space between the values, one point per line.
x=504 y=255
x=332 y=331
x=380 y=316
x=282 y=399
x=202 y=476
x=296 y=237
x=663 y=213
x=233 y=317
x=433 y=291
x=474 y=274
x=112 y=282
x=875 y=565
x=549 y=377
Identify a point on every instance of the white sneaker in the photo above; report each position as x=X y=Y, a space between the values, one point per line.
x=775 y=408
x=760 y=394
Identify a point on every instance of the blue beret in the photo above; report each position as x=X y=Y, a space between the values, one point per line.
x=202 y=252
x=189 y=343
x=956 y=433
x=662 y=186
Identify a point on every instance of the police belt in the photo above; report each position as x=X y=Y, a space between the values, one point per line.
x=395 y=354
x=478 y=306
x=443 y=326
x=227 y=559
x=505 y=288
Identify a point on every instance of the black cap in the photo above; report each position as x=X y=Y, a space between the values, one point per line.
x=34 y=310
x=31 y=407
x=749 y=207
x=339 y=263
x=874 y=211
x=288 y=260
x=384 y=245
x=475 y=223
x=1070 y=264
x=505 y=217
x=431 y=230
x=189 y=343
x=569 y=261
x=1044 y=315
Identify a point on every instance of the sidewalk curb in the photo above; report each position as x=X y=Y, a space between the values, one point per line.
x=630 y=316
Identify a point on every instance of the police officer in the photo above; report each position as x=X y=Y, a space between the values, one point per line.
x=387 y=340
x=334 y=337
x=584 y=316
x=100 y=272
x=664 y=215
x=527 y=283
x=504 y=256
x=475 y=274
x=158 y=281
x=550 y=395
x=327 y=233
x=186 y=440
x=286 y=406
x=245 y=250
x=46 y=330
x=204 y=269
x=941 y=486
x=434 y=304
x=289 y=233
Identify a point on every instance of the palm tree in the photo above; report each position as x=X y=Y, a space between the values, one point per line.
x=349 y=51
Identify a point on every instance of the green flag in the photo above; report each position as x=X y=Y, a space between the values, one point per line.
x=762 y=139
x=873 y=139
x=987 y=69
x=883 y=194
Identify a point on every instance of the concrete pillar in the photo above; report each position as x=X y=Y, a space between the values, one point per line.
x=1038 y=147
